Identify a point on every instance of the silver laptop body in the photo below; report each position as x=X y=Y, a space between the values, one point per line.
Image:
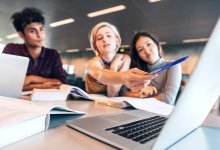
x=13 y=71
x=192 y=107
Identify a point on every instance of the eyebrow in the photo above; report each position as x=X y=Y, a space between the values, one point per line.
x=104 y=33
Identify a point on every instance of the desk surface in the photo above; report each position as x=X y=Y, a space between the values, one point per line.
x=63 y=137
x=59 y=136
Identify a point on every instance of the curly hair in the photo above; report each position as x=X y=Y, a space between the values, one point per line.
x=26 y=16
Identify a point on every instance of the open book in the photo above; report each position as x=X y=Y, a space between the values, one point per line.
x=21 y=119
x=148 y=104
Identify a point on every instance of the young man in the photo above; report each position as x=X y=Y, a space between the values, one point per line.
x=45 y=67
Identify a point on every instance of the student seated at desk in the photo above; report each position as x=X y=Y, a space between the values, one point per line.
x=45 y=66
x=108 y=71
x=146 y=54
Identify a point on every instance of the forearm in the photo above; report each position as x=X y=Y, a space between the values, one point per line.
x=132 y=94
x=32 y=86
x=108 y=77
x=113 y=90
x=37 y=79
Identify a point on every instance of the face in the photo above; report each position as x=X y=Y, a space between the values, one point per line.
x=34 y=34
x=106 y=41
x=147 y=50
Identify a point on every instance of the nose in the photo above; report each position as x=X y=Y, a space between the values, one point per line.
x=40 y=34
x=146 y=49
x=105 y=39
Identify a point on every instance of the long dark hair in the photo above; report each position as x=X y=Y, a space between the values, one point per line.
x=136 y=61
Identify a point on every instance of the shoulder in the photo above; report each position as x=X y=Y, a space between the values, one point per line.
x=51 y=52
x=95 y=61
x=176 y=69
x=124 y=57
x=12 y=48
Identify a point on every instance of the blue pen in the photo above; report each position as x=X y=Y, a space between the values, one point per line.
x=170 y=65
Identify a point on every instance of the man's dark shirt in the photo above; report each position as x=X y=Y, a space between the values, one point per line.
x=47 y=65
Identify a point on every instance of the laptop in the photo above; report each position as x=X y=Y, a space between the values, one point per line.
x=191 y=109
x=13 y=71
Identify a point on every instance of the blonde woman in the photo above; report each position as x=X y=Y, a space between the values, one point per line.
x=108 y=71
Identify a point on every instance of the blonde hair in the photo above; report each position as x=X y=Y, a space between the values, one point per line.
x=92 y=36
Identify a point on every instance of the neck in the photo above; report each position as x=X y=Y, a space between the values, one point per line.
x=34 y=51
x=108 y=58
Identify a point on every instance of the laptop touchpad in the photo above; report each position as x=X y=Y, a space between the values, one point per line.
x=121 y=117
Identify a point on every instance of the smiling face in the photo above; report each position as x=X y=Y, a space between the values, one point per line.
x=147 y=50
x=106 y=41
x=33 y=35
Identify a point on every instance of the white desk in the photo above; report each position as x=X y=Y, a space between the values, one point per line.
x=63 y=137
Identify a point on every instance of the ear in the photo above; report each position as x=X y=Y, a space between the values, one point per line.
x=21 y=35
x=117 y=42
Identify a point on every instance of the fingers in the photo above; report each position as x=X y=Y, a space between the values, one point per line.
x=146 y=83
x=139 y=75
x=138 y=71
x=154 y=90
x=148 y=91
x=136 y=86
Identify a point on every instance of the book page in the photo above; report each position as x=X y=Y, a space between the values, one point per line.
x=10 y=116
x=35 y=107
x=49 y=95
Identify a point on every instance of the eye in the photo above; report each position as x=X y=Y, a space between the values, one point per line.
x=32 y=31
x=109 y=35
x=139 y=49
x=99 y=37
x=42 y=29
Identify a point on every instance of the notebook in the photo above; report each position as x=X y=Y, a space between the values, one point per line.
x=192 y=107
x=13 y=71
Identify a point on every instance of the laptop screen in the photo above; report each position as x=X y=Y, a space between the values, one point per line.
x=198 y=97
x=13 y=71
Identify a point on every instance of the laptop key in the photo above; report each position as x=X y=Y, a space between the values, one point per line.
x=140 y=131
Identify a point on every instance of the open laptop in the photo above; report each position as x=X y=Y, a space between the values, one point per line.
x=13 y=71
x=192 y=107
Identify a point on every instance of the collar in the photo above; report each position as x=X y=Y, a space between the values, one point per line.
x=26 y=53
x=157 y=65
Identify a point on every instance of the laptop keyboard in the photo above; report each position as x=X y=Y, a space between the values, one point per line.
x=140 y=131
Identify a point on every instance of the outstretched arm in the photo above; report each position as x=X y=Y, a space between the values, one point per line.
x=132 y=78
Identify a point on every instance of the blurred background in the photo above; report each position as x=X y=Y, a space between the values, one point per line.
x=182 y=26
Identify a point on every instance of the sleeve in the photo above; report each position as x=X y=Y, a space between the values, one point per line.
x=172 y=84
x=8 y=49
x=57 y=69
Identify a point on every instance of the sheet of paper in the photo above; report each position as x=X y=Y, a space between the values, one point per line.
x=151 y=105
x=147 y=104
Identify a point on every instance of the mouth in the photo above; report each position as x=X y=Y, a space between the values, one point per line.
x=148 y=55
x=40 y=41
x=107 y=45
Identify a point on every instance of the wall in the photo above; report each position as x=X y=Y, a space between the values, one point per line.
x=79 y=59
x=177 y=51
x=1 y=47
